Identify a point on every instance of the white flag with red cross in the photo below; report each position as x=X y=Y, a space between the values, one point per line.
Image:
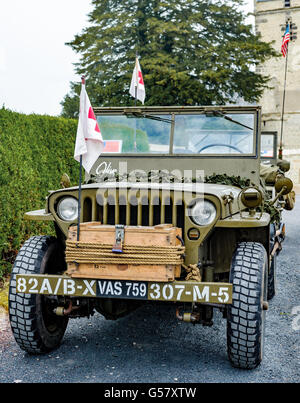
x=89 y=141
x=137 y=86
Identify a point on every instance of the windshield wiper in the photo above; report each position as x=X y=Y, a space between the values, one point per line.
x=139 y=114
x=221 y=114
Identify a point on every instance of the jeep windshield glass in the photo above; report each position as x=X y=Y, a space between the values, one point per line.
x=192 y=133
x=268 y=147
x=131 y=134
x=210 y=134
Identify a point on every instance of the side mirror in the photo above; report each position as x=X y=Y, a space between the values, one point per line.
x=284 y=165
x=65 y=181
x=283 y=186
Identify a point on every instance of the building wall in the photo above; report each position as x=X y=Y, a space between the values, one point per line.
x=270 y=21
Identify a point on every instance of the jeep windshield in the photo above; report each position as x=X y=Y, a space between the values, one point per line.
x=174 y=132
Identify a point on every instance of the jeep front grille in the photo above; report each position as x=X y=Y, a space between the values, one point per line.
x=134 y=207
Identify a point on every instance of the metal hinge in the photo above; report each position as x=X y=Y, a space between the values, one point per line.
x=119 y=239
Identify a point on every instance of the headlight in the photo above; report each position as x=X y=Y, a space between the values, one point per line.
x=203 y=212
x=67 y=208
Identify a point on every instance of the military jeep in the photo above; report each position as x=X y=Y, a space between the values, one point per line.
x=172 y=211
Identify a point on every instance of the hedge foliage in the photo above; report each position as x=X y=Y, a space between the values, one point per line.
x=35 y=151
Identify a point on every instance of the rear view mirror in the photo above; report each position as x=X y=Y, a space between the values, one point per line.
x=283 y=186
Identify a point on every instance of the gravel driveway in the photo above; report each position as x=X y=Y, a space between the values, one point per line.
x=151 y=346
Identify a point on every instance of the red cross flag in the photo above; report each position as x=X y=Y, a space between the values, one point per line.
x=89 y=141
x=137 y=86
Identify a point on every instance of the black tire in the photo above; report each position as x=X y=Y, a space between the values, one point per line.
x=34 y=325
x=273 y=265
x=272 y=278
x=246 y=314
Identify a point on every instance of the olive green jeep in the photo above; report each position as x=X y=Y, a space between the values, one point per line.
x=173 y=211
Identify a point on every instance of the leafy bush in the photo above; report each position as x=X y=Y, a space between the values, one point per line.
x=35 y=151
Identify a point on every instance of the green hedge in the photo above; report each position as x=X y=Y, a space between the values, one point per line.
x=35 y=151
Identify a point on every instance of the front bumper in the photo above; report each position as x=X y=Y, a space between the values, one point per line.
x=175 y=291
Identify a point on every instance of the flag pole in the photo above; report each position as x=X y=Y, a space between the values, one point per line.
x=137 y=77
x=79 y=187
x=283 y=102
x=135 y=99
x=79 y=199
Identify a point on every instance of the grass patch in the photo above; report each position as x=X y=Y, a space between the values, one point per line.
x=4 y=287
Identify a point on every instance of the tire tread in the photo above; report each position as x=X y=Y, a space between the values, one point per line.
x=22 y=306
x=244 y=322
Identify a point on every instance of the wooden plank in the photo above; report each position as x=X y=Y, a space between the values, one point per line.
x=122 y=272
x=134 y=235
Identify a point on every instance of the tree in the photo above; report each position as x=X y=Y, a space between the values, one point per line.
x=192 y=52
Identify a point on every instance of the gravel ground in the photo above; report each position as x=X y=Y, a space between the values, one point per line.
x=151 y=346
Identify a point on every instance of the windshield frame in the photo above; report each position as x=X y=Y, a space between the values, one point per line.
x=184 y=110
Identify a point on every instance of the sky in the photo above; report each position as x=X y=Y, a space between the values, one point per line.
x=36 y=67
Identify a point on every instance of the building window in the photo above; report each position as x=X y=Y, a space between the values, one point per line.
x=287 y=3
x=293 y=31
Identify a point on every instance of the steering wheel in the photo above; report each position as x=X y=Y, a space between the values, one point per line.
x=220 y=145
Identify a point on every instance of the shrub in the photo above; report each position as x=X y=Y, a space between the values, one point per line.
x=35 y=151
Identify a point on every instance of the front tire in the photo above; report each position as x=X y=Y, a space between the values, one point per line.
x=246 y=314
x=34 y=325
x=272 y=278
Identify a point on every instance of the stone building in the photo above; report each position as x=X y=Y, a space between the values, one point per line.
x=271 y=17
